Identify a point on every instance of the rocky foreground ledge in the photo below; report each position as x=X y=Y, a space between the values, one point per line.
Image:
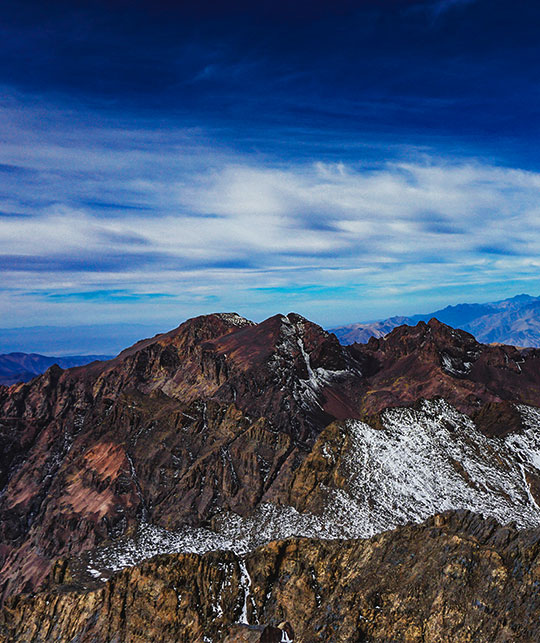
x=456 y=577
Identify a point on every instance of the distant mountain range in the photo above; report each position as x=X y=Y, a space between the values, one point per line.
x=88 y=339
x=514 y=321
x=22 y=367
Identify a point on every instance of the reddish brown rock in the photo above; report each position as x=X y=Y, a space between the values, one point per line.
x=217 y=415
x=435 y=360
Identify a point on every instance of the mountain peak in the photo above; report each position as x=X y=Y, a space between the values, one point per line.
x=514 y=321
x=522 y=297
x=408 y=339
x=234 y=319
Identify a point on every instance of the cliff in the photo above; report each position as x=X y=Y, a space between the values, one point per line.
x=455 y=577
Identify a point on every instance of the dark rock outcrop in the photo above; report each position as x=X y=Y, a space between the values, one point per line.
x=457 y=577
x=434 y=360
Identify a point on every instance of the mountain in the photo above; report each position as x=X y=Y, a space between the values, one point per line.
x=514 y=321
x=22 y=367
x=203 y=445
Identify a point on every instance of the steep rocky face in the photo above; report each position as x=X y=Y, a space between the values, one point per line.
x=286 y=369
x=224 y=431
x=430 y=360
x=140 y=460
x=208 y=417
x=456 y=577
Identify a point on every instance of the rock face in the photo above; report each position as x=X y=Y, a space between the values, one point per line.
x=214 y=415
x=433 y=359
x=242 y=633
x=456 y=577
x=224 y=434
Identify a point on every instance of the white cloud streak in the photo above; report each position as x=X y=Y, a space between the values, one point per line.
x=178 y=215
x=403 y=212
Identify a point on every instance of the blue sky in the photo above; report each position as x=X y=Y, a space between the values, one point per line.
x=346 y=160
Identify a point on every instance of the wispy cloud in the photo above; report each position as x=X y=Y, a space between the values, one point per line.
x=348 y=160
x=117 y=219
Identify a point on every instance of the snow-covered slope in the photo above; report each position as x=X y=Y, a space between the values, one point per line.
x=419 y=462
x=427 y=460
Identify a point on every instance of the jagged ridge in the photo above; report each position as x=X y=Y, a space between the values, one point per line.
x=456 y=577
x=222 y=421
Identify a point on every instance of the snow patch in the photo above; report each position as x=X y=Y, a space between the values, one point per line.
x=455 y=366
x=305 y=390
x=235 y=319
x=245 y=584
x=430 y=460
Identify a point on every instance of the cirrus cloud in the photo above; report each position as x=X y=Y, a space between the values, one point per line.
x=230 y=231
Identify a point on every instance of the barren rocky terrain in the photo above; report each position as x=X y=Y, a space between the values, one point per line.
x=269 y=473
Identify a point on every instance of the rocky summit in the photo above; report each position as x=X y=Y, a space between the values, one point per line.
x=509 y=321
x=232 y=481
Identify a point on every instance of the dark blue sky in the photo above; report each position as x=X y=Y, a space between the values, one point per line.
x=348 y=160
